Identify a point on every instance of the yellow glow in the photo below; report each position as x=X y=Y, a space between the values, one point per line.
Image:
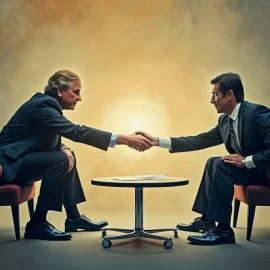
x=128 y=116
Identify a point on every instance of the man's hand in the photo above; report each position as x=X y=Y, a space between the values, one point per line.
x=70 y=158
x=234 y=159
x=153 y=140
x=138 y=142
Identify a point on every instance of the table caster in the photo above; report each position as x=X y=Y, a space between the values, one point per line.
x=103 y=234
x=168 y=244
x=106 y=243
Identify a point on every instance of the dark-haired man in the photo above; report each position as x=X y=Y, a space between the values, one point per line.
x=244 y=128
x=31 y=149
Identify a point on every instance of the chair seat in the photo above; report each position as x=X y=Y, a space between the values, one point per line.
x=12 y=195
x=253 y=194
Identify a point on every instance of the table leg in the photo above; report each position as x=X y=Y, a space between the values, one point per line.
x=138 y=231
x=138 y=208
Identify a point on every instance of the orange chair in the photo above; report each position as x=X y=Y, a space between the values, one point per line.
x=252 y=195
x=13 y=195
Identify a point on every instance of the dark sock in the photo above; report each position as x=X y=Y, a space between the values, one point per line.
x=72 y=212
x=223 y=226
x=204 y=219
x=38 y=217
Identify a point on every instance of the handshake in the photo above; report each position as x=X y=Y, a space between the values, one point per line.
x=140 y=141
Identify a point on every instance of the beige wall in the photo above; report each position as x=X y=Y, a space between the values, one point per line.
x=144 y=64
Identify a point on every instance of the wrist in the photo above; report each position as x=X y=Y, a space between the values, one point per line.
x=244 y=163
x=122 y=139
x=156 y=141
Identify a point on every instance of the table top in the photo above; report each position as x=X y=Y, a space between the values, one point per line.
x=168 y=182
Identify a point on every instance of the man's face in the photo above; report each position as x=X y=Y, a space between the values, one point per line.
x=68 y=99
x=221 y=103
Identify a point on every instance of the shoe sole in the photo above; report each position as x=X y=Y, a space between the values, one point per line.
x=49 y=239
x=83 y=229
x=232 y=241
x=190 y=230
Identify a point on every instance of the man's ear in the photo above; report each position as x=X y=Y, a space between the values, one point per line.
x=59 y=92
x=230 y=94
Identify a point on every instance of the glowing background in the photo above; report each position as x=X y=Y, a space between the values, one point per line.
x=144 y=65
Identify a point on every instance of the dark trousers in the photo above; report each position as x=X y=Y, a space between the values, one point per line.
x=215 y=194
x=58 y=186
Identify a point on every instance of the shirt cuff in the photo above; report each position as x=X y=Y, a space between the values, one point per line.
x=249 y=162
x=113 y=140
x=165 y=143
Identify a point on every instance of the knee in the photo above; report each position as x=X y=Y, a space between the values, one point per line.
x=63 y=160
x=219 y=164
x=210 y=162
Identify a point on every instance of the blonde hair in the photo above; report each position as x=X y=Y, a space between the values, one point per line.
x=61 y=79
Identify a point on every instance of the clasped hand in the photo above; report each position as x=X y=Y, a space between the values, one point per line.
x=142 y=141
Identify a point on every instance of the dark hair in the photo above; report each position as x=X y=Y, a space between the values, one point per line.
x=230 y=81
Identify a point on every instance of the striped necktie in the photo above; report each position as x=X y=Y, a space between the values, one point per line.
x=233 y=139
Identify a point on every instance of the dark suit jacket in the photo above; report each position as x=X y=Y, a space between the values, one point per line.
x=37 y=126
x=253 y=132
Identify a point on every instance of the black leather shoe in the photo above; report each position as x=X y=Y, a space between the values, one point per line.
x=196 y=226
x=45 y=231
x=213 y=237
x=83 y=223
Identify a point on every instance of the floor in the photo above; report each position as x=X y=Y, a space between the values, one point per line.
x=84 y=251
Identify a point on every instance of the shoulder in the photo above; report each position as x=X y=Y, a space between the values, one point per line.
x=43 y=100
x=253 y=108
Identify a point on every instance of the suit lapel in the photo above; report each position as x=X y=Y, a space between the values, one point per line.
x=240 y=123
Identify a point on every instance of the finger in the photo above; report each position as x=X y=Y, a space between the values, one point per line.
x=138 y=132
x=230 y=158
x=226 y=157
x=230 y=161
x=145 y=146
x=147 y=142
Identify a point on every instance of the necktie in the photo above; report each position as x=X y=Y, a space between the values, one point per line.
x=233 y=140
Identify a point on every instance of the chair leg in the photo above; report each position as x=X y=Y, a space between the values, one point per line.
x=236 y=211
x=16 y=220
x=251 y=214
x=31 y=207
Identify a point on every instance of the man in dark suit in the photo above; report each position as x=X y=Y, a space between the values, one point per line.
x=244 y=128
x=31 y=149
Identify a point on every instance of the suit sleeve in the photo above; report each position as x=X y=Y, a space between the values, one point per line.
x=193 y=143
x=261 y=122
x=49 y=116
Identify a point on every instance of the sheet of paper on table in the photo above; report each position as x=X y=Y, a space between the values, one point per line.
x=140 y=177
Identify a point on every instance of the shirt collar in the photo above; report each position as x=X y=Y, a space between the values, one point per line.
x=234 y=113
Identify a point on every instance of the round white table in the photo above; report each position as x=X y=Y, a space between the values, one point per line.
x=138 y=231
